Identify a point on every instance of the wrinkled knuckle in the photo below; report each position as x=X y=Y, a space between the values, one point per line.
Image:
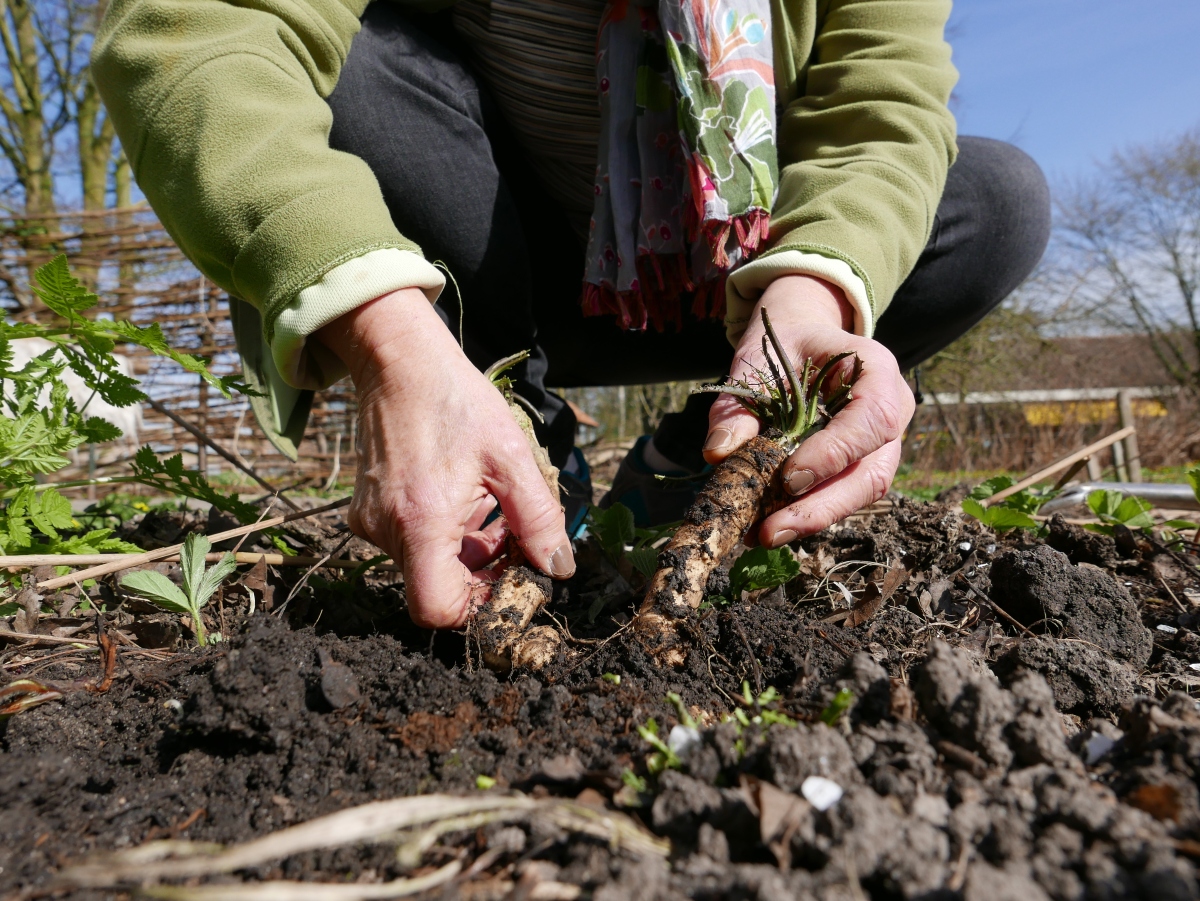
x=879 y=483
x=543 y=519
x=889 y=418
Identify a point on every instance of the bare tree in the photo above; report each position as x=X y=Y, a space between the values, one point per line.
x=1133 y=234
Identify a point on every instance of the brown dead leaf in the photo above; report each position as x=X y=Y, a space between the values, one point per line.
x=779 y=813
x=875 y=596
x=1160 y=801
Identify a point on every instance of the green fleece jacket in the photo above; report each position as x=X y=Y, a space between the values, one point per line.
x=219 y=105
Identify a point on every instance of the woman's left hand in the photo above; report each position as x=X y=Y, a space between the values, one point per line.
x=851 y=462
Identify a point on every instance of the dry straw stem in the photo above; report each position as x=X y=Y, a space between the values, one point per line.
x=379 y=821
x=282 y=890
x=162 y=553
x=27 y=561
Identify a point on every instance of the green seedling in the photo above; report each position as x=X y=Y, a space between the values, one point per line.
x=842 y=701
x=199 y=583
x=761 y=568
x=620 y=539
x=663 y=757
x=612 y=677
x=1114 y=508
x=483 y=783
x=1014 y=512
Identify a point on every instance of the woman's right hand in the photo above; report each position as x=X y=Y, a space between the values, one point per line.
x=437 y=447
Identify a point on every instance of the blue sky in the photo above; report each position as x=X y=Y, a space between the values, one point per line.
x=1069 y=81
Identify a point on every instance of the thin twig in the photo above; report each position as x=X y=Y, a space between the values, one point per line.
x=201 y=436
x=304 y=578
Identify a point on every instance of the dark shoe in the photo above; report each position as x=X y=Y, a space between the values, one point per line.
x=654 y=501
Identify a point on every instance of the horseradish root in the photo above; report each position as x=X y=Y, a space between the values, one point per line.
x=501 y=622
x=742 y=490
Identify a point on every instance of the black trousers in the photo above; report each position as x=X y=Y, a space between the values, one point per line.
x=456 y=181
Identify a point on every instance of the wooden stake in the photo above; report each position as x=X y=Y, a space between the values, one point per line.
x=1054 y=467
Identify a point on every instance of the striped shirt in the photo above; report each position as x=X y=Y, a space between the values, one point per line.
x=538 y=58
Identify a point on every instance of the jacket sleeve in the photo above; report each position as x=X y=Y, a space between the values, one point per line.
x=864 y=147
x=220 y=107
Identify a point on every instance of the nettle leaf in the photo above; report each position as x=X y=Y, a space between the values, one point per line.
x=613 y=528
x=191 y=562
x=158 y=589
x=760 y=568
x=644 y=560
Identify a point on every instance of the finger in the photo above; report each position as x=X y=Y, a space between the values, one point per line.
x=730 y=425
x=479 y=548
x=859 y=485
x=881 y=407
x=536 y=518
x=439 y=587
x=480 y=512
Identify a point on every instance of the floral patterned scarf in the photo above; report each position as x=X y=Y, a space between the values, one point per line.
x=686 y=170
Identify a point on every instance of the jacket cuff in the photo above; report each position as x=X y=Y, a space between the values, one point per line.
x=311 y=365
x=745 y=286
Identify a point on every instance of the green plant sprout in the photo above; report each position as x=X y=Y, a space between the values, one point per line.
x=40 y=423
x=1114 y=508
x=1014 y=512
x=788 y=402
x=614 y=530
x=199 y=583
x=483 y=783
x=842 y=701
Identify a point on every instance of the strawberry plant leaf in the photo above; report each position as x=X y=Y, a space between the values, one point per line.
x=191 y=563
x=213 y=577
x=158 y=589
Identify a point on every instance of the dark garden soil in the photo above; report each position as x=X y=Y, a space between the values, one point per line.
x=1020 y=730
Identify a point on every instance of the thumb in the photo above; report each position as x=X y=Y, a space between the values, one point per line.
x=730 y=425
x=536 y=517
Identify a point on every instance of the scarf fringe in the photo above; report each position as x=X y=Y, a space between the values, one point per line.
x=663 y=285
x=656 y=298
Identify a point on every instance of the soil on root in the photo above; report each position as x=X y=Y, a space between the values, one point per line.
x=979 y=758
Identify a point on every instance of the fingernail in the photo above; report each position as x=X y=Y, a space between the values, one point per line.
x=562 y=563
x=717 y=439
x=782 y=537
x=799 y=481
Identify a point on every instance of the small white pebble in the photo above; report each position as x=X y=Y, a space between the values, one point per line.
x=991 y=548
x=1170 y=630
x=820 y=792
x=173 y=704
x=1097 y=746
x=964 y=546
x=1128 y=584
x=684 y=741
x=1195 y=666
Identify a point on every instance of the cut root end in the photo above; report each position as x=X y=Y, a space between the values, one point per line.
x=500 y=626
